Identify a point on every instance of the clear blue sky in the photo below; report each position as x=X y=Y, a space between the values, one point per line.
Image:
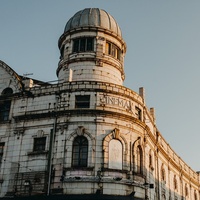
x=163 y=54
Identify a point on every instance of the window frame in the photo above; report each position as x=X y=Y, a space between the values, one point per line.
x=139 y=160
x=80 y=152
x=2 y=146
x=83 y=44
x=138 y=113
x=39 y=144
x=80 y=102
x=5 y=104
x=113 y=50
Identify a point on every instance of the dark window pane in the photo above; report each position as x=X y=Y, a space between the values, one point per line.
x=5 y=110
x=7 y=91
x=80 y=152
x=90 y=44
x=76 y=46
x=82 y=44
x=82 y=101
x=2 y=144
x=39 y=144
x=138 y=113
x=62 y=52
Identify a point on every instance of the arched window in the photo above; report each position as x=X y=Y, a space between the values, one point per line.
x=139 y=159
x=5 y=104
x=7 y=91
x=80 y=152
x=115 y=154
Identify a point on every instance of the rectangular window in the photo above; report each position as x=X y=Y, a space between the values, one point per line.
x=39 y=144
x=82 y=101
x=5 y=110
x=2 y=144
x=90 y=44
x=113 y=50
x=76 y=45
x=138 y=113
x=108 y=48
x=83 y=44
x=118 y=54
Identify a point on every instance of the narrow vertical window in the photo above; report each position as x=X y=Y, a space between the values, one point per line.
x=80 y=152
x=150 y=160
x=2 y=144
x=138 y=113
x=139 y=160
x=5 y=104
x=108 y=48
x=89 y=44
x=62 y=52
x=83 y=44
x=76 y=45
x=5 y=110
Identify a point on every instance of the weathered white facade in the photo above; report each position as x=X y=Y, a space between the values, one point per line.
x=87 y=136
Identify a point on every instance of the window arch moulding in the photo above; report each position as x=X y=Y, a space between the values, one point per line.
x=114 y=135
x=68 y=148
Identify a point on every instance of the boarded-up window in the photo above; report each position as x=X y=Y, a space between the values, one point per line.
x=115 y=154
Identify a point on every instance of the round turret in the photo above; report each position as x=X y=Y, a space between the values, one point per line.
x=91 y=48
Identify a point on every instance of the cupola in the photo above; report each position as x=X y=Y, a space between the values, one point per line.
x=91 y=48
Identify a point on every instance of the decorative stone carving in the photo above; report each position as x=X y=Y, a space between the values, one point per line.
x=116 y=133
x=19 y=132
x=80 y=130
x=40 y=133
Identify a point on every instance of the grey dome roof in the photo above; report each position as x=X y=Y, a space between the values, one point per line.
x=93 y=17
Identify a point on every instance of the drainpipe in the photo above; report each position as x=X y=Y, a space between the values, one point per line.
x=51 y=145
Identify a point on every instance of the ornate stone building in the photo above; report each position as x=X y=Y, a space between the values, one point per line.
x=87 y=136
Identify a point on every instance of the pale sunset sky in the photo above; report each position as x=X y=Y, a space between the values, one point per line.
x=163 y=55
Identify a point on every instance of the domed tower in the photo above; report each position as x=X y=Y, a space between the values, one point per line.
x=91 y=48
x=100 y=123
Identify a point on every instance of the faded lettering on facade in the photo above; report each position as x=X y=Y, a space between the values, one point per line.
x=117 y=101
